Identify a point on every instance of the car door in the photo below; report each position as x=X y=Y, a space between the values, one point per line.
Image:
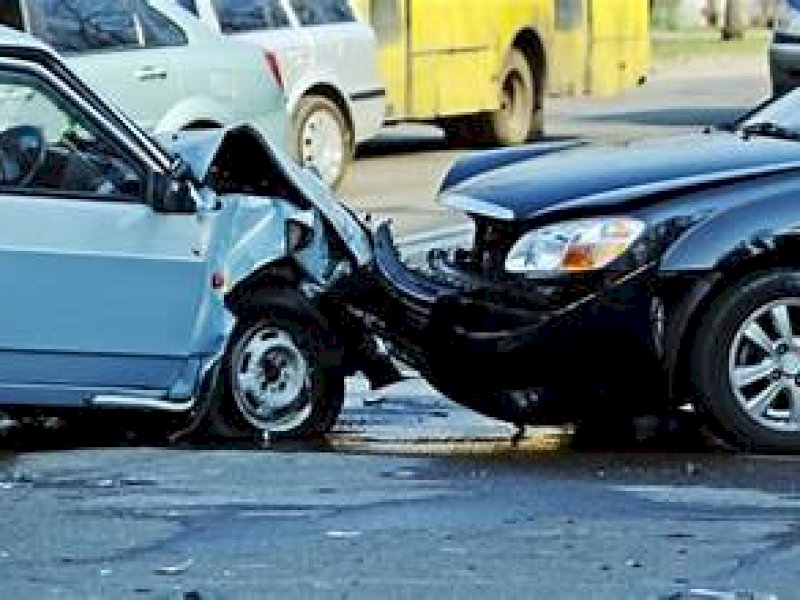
x=110 y=44
x=342 y=45
x=267 y=24
x=100 y=292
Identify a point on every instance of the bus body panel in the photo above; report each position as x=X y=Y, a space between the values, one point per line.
x=443 y=58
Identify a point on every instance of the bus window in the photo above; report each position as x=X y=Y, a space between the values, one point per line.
x=385 y=19
x=569 y=14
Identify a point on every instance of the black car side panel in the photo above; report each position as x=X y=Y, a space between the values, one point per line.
x=767 y=225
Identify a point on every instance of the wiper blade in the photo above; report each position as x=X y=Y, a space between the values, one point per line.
x=770 y=129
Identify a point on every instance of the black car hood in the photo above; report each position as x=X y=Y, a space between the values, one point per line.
x=569 y=176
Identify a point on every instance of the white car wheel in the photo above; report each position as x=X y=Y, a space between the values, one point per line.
x=323 y=137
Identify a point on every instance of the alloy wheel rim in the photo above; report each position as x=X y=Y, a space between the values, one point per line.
x=764 y=366
x=270 y=380
x=323 y=144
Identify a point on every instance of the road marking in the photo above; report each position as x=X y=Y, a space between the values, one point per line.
x=541 y=441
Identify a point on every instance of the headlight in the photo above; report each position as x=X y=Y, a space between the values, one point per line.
x=574 y=246
x=788 y=17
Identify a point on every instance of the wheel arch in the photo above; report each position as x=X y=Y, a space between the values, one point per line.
x=199 y=124
x=195 y=109
x=279 y=275
x=276 y=286
x=699 y=299
x=530 y=43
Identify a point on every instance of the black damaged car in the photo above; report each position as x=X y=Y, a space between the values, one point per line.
x=603 y=280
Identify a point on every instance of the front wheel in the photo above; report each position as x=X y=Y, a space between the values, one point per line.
x=278 y=378
x=746 y=363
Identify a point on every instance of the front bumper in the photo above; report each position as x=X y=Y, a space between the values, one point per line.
x=465 y=332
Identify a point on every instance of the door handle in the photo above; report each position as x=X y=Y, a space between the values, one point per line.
x=150 y=73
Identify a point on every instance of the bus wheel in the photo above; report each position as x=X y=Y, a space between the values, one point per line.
x=518 y=119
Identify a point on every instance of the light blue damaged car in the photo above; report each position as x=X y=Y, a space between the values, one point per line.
x=190 y=275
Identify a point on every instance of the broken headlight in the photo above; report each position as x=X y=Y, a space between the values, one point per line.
x=574 y=246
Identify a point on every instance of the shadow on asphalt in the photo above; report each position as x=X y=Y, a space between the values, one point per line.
x=670 y=117
x=108 y=433
x=668 y=434
x=398 y=145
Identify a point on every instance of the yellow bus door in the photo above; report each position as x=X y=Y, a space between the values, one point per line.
x=453 y=57
x=570 y=48
x=389 y=20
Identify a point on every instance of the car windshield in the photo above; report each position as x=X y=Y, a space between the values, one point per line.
x=780 y=118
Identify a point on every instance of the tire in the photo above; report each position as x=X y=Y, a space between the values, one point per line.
x=519 y=119
x=757 y=415
x=323 y=138
x=297 y=373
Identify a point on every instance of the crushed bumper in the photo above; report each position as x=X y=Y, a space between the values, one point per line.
x=466 y=332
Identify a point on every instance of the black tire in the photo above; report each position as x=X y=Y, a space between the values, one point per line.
x=710 y=360
x=519 y=119
x=322 y=389
x=313 y=106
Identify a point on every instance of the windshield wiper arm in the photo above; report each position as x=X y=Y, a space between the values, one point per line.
x=770 y=129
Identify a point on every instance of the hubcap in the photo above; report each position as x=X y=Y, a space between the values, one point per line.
x=270 y=377
x=764 y=366
x=322 y=144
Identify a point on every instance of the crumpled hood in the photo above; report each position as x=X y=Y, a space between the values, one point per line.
x=199 y=149
x=570 y=177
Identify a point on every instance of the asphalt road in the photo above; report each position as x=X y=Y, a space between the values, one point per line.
x=152 y=523
x=413 y=497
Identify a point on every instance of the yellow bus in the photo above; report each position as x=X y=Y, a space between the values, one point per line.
x=482 y=68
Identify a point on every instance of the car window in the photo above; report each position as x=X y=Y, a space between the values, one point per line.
x=250 y=15
x=11 y=14
x=158 y=30
x=84 y=25
x=323 y=12
x=189 y=5
x=48 y=146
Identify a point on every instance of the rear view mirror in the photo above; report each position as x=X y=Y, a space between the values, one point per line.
x=173 y=196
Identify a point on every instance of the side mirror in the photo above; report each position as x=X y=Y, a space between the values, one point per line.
x=173 y=196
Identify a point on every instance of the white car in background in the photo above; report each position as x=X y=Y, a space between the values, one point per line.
x=329 y=63
x=160 y=65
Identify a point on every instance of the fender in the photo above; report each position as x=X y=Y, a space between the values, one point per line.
x=748 y=236
x=316 y=79
x=192 y=110
x=753 y=228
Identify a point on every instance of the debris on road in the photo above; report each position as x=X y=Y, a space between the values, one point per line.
x=633 y=563
x=177 y=569
x=343 y=535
